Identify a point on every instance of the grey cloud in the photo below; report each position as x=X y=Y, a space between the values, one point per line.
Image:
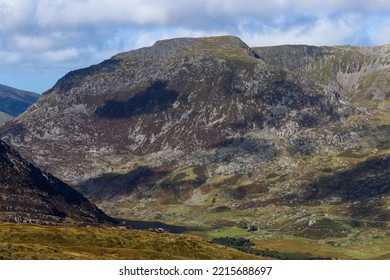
x=78 y=14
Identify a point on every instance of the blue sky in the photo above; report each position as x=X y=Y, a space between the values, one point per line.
x=41 y=40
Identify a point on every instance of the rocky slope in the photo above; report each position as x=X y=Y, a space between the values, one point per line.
x=13 y=101
x=211 y=131
x=361 y=73
x=29 y=195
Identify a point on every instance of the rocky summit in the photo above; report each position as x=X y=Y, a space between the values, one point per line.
x=210 y=131
x=29 y=195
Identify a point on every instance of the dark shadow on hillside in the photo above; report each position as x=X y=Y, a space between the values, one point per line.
x=148 y=225
x=364 y=180
x=361 y=189
x=109 y=186
x=258 y=150
x=314 y=105
x=156 y=98
x=362 y=186
x=249 y=122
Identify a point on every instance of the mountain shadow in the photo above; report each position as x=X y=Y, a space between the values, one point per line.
x=109 y=186
x=365 y=180
x=156 y=98
x=252 y=150
x=148 y=225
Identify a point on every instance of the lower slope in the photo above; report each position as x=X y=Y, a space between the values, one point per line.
x=29 y=195
x=57 y=242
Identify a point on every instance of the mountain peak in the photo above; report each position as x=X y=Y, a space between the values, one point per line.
x=219 y=41
x=186 y=46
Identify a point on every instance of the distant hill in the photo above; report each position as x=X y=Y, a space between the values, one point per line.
x=14 y=101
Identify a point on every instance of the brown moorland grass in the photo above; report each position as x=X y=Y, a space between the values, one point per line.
x=23 y=241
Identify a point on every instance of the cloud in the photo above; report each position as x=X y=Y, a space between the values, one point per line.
x=320 y=32
x=77 y=14
x=33 y=43
x=60 y=55
x=15 y=15
x=9 y=58
x=84 y=13
x=70 y=34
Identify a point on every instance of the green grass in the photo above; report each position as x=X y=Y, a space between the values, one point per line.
x=4 y=118
x=363 y=247
x=362 y=243
x=225 y=47
x=228 y=231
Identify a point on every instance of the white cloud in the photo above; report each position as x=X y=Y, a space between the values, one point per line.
x=32 y=43
x=323 y=31
x=76 y=33
x=81 y=13
x=9 y=58
x=14 y=13
x=49 y=13
x=61 y=55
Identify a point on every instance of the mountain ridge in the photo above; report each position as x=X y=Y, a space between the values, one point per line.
x=239 y=135
x=122 y=86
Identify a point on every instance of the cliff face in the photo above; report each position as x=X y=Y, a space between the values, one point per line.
x=361 y=73
x=214 y=125
x=29 y=195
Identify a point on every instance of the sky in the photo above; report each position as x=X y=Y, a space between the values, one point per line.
x=41 y=40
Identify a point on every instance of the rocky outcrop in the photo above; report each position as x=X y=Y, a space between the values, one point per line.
x=361 y=73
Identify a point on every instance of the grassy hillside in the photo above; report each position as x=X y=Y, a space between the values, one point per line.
x=361 y=244
x=19 y=241
x=4 y=118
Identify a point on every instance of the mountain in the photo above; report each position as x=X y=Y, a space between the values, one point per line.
x=29 y=195
x=13 y=102
x=181 y=98
x=212 y=132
